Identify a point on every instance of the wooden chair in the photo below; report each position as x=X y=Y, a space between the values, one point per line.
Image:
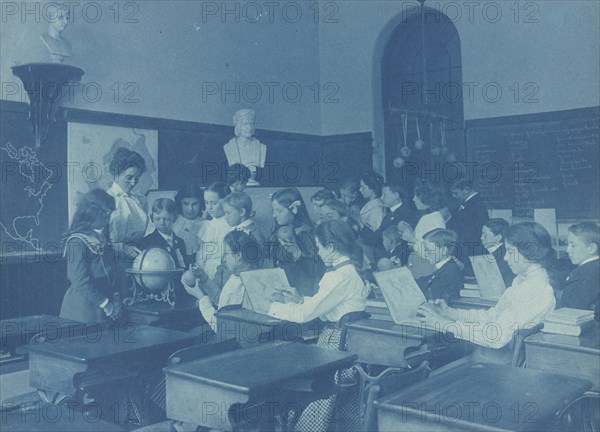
x=518 y=342
x=348 y=318
x=388 y=383
x=581 y=414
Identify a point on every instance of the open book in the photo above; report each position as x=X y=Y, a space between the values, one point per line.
x=261 y=285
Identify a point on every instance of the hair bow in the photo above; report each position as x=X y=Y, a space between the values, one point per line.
x=293 y=207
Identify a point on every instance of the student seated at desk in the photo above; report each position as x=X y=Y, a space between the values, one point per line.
x=429 y=199
x=522 y=306
x=317 y=201
x=351 y=196
x=582 y=287
x=492 y=239
x=396 y=248
x=341 y=290
x=447 y=280
x=292 y=243
x=240 y=255
x=371 y=215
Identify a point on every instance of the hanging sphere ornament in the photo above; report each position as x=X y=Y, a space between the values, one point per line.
x=450 y=158
x=405 y=152
x=398 y=162
x=435 y=151
x=419 y=143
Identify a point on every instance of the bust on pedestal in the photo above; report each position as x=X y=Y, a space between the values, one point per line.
x=59 y=47
x=244 y=148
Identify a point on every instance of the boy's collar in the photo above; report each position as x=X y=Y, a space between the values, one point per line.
x=167 y=237
x=244 y=223
x=396 y=206
x=590 y=259
x=441 y=264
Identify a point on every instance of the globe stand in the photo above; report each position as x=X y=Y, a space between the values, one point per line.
x=141 y=293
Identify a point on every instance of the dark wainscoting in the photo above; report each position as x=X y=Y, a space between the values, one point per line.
x=188 y=152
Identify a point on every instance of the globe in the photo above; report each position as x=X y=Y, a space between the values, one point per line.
x=153 y=269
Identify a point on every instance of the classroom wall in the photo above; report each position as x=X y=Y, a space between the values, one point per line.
x=185 y=60
x=559 y=53
x=169 y=63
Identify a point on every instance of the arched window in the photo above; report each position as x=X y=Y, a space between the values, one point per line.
x=422 y=92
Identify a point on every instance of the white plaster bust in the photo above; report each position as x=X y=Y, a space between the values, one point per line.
x=244 y=148
x=59 y=47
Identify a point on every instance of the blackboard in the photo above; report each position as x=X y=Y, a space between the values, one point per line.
x=33 y=190
x=33 y=214
x=546 y=160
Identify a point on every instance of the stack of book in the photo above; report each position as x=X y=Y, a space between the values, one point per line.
x=567 y=321
x=470 y=290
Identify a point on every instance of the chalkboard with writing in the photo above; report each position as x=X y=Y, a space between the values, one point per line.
x=546 y=160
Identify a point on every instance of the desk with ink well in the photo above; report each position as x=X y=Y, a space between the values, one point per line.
x=577 y=356
x=394 y=337
x=15 y=335
x=481 y=397
x=102 y=363
x=250 y=328
x=227 y=390
x=386 y=343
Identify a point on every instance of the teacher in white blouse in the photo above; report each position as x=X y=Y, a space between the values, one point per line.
x=129 y=220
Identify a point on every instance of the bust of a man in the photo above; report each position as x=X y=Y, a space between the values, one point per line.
x=244 y=148
x=59 y=47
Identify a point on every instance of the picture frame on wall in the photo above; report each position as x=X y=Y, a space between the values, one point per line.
x=90 y=150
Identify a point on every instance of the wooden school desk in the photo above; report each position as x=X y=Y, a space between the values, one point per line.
x=481 y=397
x=577 y=356
x=251 y=385
x=43 y=417
x=99 y=357
x=472 y=303
x=250 y=328
x=183 y=316
x=15 y=335
x=386 y=343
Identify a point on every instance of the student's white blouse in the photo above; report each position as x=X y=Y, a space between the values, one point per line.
x=187 y=230
x=233 y=293
x=429 y=222
x=211 y=236
x=340 y=291
x=522 y=306
x=372 y=214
